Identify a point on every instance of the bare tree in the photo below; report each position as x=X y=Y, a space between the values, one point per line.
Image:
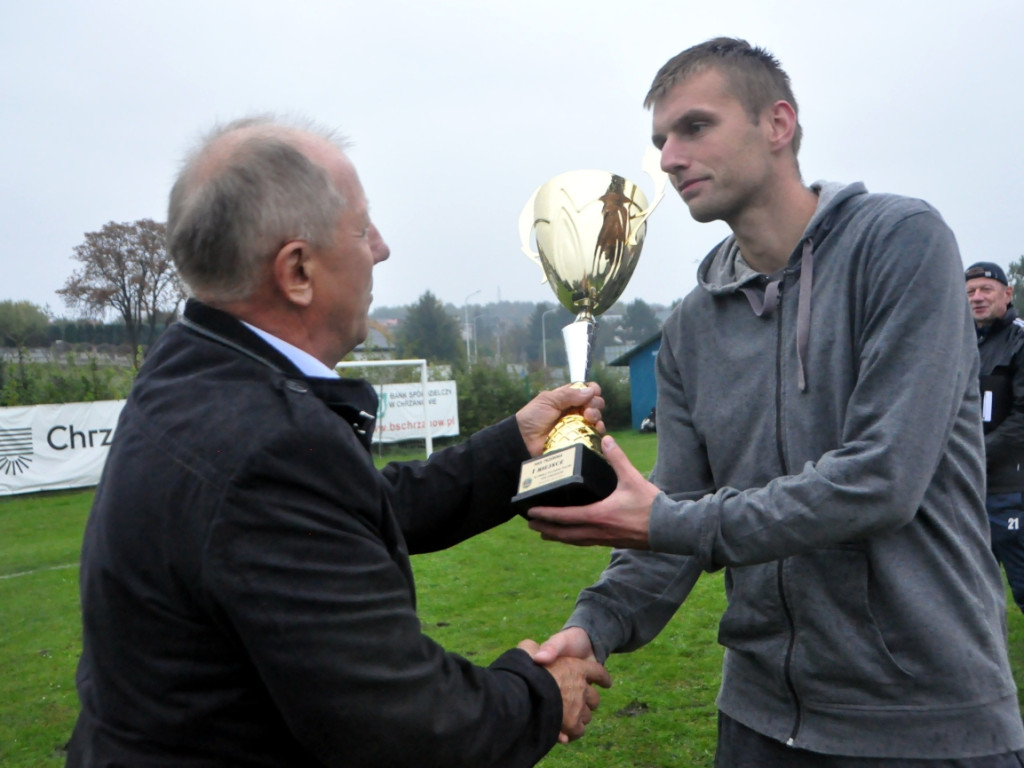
x=125 y=268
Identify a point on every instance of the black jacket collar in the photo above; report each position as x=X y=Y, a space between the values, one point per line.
x=984 y=331
x=353 y=399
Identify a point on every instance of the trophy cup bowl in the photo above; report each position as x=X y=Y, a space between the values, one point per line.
x=589 y=227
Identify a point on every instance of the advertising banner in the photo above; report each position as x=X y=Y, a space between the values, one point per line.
x=55 y=447
x=400 y=414
x=52 y=447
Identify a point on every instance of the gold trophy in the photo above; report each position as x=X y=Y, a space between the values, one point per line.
x=589 y=228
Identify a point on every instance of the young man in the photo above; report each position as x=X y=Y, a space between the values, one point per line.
x=1001 y=347
x=819 y=437
x=247 y=596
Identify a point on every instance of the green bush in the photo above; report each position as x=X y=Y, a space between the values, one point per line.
x=487 y=394
x=27 y=383
x=615 y=391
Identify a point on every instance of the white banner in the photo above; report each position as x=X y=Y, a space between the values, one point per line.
x=400 y=414
x=51 y=447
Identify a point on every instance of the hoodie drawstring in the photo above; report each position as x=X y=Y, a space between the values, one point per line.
x=764 y=304
x=803 y=311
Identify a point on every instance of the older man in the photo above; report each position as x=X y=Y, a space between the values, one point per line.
x=246 y=589
x=1001 y=347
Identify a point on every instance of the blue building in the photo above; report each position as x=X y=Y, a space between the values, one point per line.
x=643 y=390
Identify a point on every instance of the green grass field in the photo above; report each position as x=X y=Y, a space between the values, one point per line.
x=477 y=599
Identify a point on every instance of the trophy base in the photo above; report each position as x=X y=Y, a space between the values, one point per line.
x=567 y=477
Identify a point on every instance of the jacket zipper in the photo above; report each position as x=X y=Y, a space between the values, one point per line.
x=787 y=668
x=780 y=448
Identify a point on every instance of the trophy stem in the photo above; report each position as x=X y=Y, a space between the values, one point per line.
x=579 y=340
x=589 y=227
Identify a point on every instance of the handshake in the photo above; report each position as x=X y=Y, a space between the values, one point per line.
x=569 y=657
x=619 y=520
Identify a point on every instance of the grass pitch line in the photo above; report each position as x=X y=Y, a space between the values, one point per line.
x=39 y=570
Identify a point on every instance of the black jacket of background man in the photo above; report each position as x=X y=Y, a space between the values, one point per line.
x=1001 y=346
x=245 y=579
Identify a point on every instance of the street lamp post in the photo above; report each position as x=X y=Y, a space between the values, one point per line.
x=465 y=321
x=475 y=350
x=544 y=336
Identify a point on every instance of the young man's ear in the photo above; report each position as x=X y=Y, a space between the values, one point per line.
x=293 y=272
x=782 y=123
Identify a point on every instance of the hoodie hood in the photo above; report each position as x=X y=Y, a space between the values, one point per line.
x=724 y=270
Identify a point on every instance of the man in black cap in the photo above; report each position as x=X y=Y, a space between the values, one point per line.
x=1001 y=346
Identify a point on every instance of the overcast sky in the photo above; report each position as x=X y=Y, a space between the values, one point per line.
x=459 y=109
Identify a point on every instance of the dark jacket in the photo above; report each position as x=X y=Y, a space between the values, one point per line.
x=246 y=589
x=1001 y=346
x=828 y=452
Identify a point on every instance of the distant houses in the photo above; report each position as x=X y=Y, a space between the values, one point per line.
x=379 y=343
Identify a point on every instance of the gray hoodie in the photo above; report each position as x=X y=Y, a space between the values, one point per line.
x=819 y=435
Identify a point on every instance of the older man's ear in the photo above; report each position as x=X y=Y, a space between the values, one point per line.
x=293 y=272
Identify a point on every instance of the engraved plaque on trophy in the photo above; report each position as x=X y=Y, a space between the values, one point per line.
x=589 y=228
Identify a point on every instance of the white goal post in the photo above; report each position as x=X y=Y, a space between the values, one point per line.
x=423 y=383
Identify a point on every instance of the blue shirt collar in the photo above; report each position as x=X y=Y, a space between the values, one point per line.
x=305 y=362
